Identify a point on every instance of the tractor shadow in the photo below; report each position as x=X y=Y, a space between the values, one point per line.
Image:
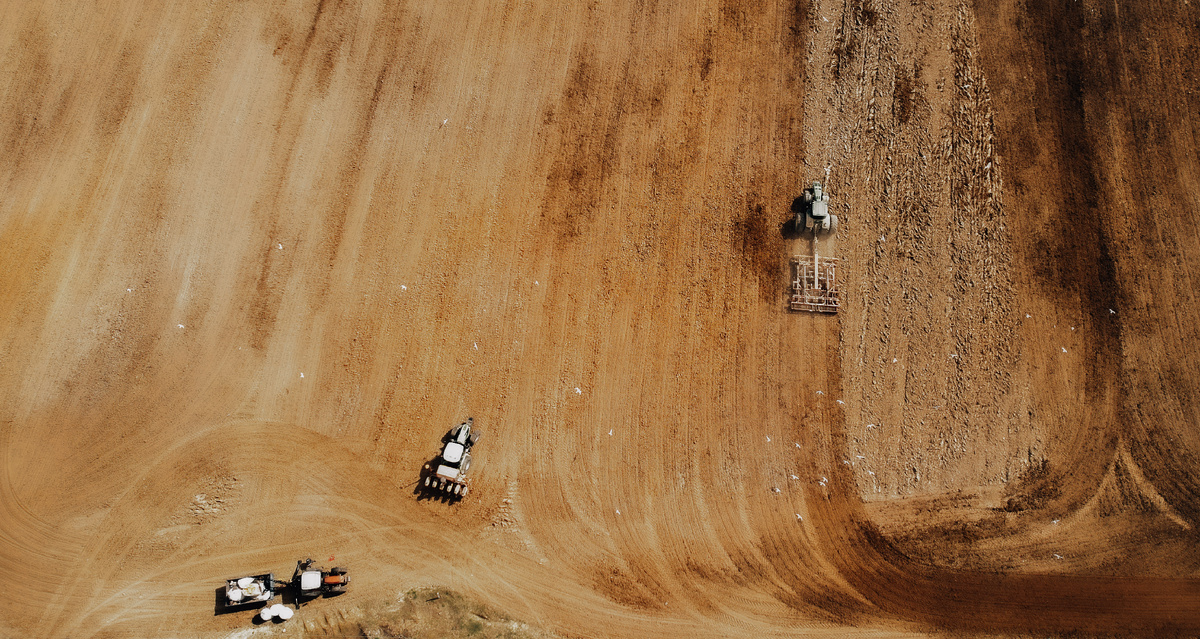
x=789 y=230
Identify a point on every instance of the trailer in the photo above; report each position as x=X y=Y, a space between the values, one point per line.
x=251 y=591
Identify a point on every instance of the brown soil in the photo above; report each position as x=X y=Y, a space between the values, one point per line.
x=258 y=257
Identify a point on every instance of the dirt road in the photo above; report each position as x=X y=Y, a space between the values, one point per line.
x=258 y=257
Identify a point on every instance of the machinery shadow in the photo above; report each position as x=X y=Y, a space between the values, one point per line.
x=789 y=230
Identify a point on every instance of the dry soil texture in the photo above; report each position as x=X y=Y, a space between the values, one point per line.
x=258 y=256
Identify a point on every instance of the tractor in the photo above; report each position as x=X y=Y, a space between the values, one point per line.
x=309 y=582
x=814 y=216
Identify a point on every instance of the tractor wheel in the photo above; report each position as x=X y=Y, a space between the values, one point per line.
x=427 y=480
x=832 y=224
x=464 y=491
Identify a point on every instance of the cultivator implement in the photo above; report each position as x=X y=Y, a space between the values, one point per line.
x=815 y=287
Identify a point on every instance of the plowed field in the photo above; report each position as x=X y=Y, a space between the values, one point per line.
x=257 y=257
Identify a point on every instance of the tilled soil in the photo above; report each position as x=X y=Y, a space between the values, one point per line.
x=259 y=257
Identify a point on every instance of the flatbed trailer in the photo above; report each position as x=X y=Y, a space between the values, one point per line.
x=247 y=592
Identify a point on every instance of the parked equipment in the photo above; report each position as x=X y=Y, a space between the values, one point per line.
x=449 y=472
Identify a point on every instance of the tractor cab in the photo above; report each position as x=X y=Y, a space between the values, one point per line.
x=311 y=582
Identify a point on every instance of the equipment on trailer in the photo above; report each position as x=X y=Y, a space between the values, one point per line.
x=255 y=590
x=310 y=582
x=815 y=287
x=449 y=472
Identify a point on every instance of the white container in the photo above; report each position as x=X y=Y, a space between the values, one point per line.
x=267 y=613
